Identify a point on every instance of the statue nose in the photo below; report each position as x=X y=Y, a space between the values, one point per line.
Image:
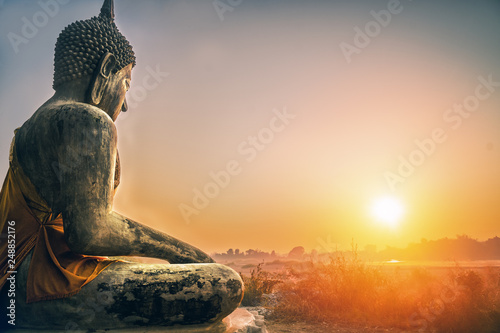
x=125 y=105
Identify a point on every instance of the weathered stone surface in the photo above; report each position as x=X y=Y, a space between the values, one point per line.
x=68 y=151
x=137 y=295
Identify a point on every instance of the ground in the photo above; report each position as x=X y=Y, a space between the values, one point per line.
x=304 y=327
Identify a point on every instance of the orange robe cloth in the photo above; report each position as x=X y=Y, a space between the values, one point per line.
x=55 y=271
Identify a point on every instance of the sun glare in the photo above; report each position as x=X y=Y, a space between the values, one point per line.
x=388 y=211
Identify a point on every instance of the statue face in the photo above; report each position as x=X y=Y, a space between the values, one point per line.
x=113 y=100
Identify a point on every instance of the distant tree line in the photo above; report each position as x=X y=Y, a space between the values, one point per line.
x=462 y=247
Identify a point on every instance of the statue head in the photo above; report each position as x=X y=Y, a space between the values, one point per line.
x=94 y=56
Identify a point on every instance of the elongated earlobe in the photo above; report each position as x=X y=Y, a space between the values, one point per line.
x=125 y=105
x=100 y=78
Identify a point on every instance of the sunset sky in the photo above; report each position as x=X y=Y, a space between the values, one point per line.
x=312 y=133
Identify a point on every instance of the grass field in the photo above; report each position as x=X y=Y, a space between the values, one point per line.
x=348 y=292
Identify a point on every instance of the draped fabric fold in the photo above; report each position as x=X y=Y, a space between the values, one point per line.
x=55 y=271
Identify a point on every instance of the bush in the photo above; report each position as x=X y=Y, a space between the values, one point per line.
x=258 y=284
x=476 y=308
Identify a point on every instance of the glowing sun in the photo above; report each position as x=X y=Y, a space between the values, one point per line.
x=388 y=211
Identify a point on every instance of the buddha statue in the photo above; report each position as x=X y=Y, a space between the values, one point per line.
x=57 y=201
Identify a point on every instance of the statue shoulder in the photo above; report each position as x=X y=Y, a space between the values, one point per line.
x=77 y=114
x=58 y=124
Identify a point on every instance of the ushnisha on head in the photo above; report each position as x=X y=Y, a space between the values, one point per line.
x=94 y=52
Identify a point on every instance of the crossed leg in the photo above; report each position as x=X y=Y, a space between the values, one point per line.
x=127 y=295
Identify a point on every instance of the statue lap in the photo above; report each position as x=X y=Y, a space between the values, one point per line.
x=127 y=295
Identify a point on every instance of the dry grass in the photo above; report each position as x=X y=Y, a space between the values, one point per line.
x=259 y=283
x=348 y=290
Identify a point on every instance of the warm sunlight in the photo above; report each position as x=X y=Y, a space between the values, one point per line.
x=387 y=211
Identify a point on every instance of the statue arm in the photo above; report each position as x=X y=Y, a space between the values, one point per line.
x=87 y=150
